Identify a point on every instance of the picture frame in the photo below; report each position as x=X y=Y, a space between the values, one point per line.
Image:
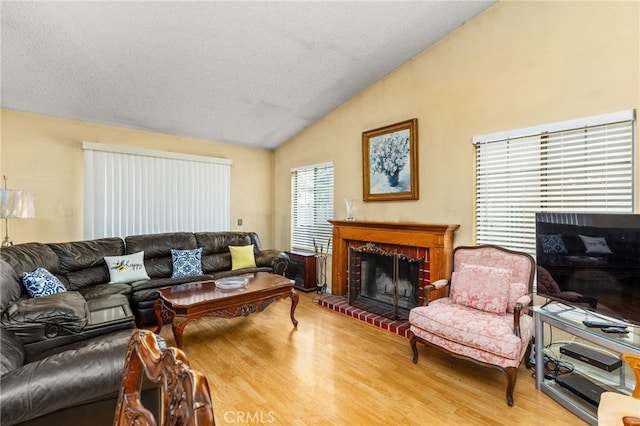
x=390 y=162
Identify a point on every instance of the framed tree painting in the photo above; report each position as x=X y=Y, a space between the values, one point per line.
x=390 y=162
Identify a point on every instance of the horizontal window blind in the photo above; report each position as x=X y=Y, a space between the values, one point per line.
x=312 y=206
x=585 y=169
x=132 y=191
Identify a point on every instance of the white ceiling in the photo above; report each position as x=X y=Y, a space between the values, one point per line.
x=245 y=72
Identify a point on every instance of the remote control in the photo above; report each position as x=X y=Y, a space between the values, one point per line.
x=620 y=330
x=601 y=324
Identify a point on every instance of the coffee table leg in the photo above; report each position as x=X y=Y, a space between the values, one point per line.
x=157 y=310
x=178 y=329
x=294 y=302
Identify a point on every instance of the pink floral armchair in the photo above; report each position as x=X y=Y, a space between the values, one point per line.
x=484 y=316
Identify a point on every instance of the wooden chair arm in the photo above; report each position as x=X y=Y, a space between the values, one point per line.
x=518 y=310
x=427 y=289
x=436 y=285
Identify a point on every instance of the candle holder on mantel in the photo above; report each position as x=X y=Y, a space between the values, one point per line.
x=321 y=254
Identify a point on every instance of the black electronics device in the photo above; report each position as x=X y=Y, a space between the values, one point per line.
x=619 y=330
x=591 y=356
x=582 y=387
x=601 y=324
x=582 y=256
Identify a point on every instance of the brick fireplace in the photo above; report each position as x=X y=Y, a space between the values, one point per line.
x=403 y=257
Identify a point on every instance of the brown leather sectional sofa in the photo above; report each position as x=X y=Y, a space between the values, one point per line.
x=47 y=339
x=75 y=384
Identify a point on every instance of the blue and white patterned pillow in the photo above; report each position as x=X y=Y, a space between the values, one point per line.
x=186 y=263
x=42 y=283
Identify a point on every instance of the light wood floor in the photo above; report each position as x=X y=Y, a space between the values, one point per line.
x=336 y=370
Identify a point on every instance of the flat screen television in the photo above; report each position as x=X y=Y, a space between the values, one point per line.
x=590 y=261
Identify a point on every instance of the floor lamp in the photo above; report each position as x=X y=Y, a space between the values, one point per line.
x=14 y=204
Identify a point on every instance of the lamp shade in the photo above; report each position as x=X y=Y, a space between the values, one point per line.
x=16 y=203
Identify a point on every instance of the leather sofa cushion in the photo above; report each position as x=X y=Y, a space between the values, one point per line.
x=216 y=262
x=219 y=242
x=92 y=371
x=215 y=248
x=28 y=257
x=12 y=354
x=99 y=290
x=10 y=285
x=264 y=257
x=145 y=315
x=68 y=310
x=157 y=250
x=82 y=262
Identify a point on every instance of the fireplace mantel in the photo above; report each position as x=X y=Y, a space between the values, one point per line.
x=438 y=239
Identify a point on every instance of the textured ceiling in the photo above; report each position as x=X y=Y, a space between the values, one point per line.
x=247 y=73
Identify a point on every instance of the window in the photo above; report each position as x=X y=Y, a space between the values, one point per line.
x=582 y=165
x=312 y=206
x=130 y=191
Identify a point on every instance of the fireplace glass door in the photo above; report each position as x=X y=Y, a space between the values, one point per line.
x=383 y=282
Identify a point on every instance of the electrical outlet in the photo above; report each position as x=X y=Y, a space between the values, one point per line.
x=239 y=222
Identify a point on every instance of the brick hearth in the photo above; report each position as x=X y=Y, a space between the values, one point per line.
x=341 y=305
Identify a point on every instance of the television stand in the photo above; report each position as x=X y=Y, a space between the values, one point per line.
x=565 y=327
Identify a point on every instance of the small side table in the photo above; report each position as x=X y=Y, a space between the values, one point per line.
x=302 y=270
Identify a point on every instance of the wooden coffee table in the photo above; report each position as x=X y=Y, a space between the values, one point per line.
x=194 y=300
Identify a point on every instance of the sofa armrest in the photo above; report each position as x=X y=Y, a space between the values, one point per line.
x=12 y=353
x=66 y=379
x=67 y=310
x=276 y=259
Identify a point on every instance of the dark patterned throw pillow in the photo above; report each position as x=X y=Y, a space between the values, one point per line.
x=553 y=244
x=186 y=263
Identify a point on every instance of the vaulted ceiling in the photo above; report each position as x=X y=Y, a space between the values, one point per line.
x=243 y=72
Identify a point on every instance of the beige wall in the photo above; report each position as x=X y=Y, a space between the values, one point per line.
x=44 y=155
x=516 y=65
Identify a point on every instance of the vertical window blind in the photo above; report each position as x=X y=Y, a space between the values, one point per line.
x=582 y=165
x=312 y=206
x=130 y=191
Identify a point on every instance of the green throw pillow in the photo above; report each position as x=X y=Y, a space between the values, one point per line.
x=242 y=257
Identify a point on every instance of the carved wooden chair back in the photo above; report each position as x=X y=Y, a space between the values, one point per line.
x=634 y=363
x=616 y=408
x=186 y=399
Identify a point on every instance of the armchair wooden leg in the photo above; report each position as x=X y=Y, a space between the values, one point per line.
x=414 y=347
x=512 y=375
